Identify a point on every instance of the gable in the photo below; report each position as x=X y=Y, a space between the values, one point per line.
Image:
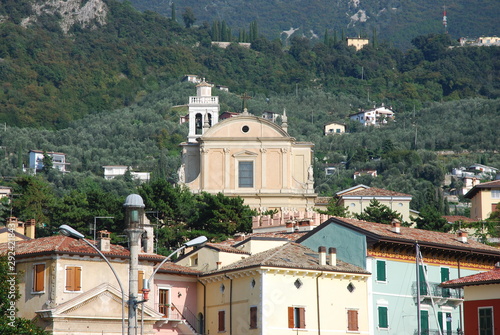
x=351 y=245
x=245 y=127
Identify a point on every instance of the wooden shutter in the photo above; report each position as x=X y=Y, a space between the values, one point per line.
x=140 y=278
x=381 y=274
x=78 y=278
x=73 y=278
x=302 y=317
x=291 y=323
x=39 y=278
x=382 y=317
x=352 y=319
x=222 y=321
x=253 y=317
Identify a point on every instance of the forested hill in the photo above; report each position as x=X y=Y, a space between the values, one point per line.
x=395 y=20
x=54 y=70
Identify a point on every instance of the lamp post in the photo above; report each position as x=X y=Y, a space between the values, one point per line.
x=192 y=243
x=70 y=232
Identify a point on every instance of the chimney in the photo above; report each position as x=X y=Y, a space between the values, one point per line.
x=332 y=256
x=396 y=226
x=219 y=265
x=103 y=241
x=147 y=241
x=29 y=228
x=462 y=236
x=238 y=237
x=322 y=255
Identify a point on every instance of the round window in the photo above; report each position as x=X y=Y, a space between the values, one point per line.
x=245 y=129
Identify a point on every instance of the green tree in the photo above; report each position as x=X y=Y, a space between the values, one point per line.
x=188 y=17
x=47 y=163
x=9 y=294
x=431 y=219
x=34 y=199
x=377 y=212
x=173 y=13
x=335 y=209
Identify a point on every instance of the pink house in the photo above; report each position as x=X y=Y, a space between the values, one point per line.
x=174 y=294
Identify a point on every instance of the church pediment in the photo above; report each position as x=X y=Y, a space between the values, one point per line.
x=245 y=153
x=103 y=300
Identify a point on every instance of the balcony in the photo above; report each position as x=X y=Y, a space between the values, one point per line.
x=185 y=320
x=203 y=100
x=440 y=295
x=436 y=332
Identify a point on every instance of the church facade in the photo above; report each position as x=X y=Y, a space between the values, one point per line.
x=246 y=156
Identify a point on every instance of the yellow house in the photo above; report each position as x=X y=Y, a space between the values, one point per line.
x=67 y=288
x=357 y=198
x=484 y=199
x=289 y=289
x=334 y=128
x=16 y=230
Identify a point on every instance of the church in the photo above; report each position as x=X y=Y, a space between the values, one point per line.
x=246 y=156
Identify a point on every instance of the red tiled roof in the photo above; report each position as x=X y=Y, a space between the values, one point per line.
x=489 y=277
x=60 y=244
x=383 y=232
x=457 y=218
x=170 y=267
x=292 y=237
x=290 y=255
x=373 y=191
x=491 y=184
x=225 y=247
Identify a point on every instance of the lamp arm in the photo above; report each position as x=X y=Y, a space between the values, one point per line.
x=117 y=279
x=163 y=262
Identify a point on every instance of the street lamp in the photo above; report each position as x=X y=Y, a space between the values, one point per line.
x=70 y=232
x=192 y=243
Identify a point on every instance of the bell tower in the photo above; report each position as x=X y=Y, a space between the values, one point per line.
x=203 y=110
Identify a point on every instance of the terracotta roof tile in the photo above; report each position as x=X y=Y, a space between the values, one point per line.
x=170 y=267
x=489 y=277
x=60 y=244
x=290 y=255
x=457 y=218
x=373 y=191
x=225 y=247
x=491 y=184
x=408 y=235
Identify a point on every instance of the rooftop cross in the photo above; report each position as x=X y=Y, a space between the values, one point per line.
x=245 y=97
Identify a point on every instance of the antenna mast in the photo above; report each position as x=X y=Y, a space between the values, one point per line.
x=445 y=20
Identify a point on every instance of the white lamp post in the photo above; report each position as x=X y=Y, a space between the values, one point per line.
x=70 y=232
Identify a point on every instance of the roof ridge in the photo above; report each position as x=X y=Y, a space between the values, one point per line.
x=274 y=253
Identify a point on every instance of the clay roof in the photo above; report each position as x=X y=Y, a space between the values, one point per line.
x=170 y=267
x=225 y=247
x=60 y=244
x=290 y=255
x=292 y=237
x=489 y=277
x=5 y=230
x=323 y=200
x=491 y=184
x=378 y=192
x=457 y=218
x=378 y=232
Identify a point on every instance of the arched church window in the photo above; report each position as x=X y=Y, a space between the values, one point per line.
x=198 y=124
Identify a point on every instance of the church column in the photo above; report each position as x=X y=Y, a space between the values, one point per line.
x=263 y=172
x=226 y=169
x=204 y=167
x=285 y=176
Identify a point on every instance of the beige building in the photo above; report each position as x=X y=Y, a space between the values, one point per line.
x=16 y=230
x=357 y=42
x=357 y=198
x=245 y=156
x=334 y=128
x=289 y=289
x=484 y=199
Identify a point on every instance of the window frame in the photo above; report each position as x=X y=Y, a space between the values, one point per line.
x=250 y=163
x=380 y=324
x=352 y=320
x=384 y=280
x=253 y=317
x=77 y=279
x=492 y=319
x=38 y=278
x=221 y=321
x=164 y=305
x=297 y=317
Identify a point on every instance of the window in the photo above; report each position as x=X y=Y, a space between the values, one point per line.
x=163 y=301
x=352 y=320
x=222 y=321
x=73 y=278
x=140 y=281
x=445 y=276
x=253 y=317
x=424 y=321
x=383 y=320
x=495 y=194
x=485 y=320
x=245 y=174
x=381 y=273
x=422 y=270
x=39 y=278
x=296 y=317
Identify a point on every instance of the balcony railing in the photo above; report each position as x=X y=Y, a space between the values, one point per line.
x=436 y=332
x=203 y=100
x=434 y=290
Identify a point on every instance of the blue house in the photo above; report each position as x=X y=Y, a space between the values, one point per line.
x=389 y=253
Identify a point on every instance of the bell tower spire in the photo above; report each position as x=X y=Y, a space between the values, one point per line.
x=203 y=111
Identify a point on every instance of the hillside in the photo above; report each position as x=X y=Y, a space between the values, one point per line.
x=395 y=21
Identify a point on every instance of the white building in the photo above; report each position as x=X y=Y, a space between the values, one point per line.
x=112 y=171
x=36 y=160
x=373 y=117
